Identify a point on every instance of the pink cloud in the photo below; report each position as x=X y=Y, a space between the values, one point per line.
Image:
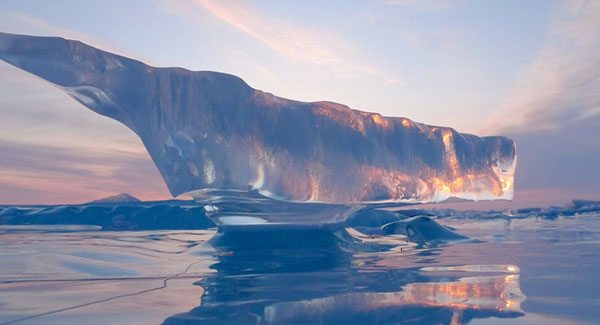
x=294 y=42
x=43 y=174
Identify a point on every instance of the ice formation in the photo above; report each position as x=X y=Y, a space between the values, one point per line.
x=210 y=131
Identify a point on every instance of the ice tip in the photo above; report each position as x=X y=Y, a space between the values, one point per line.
x=6 y=42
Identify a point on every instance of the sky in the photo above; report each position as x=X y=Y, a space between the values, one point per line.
x=529 y=70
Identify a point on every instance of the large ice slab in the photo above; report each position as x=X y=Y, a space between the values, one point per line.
x=211 y=131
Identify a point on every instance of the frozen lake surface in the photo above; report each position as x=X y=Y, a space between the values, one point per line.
x=518 y=271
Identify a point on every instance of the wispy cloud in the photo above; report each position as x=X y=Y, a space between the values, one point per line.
x=562 y=84
x=45 y=174
x=294 y=42
x=35 y=112
x=53 y=150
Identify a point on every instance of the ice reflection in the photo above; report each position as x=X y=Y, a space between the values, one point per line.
x=474 y=268
x=324 y=277
x=467 y=297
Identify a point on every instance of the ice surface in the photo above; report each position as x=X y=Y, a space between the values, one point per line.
x=526 y=270
x=422 y=230
x=88 y=277
x=210 y=131
x=173 y=215
x=187 y=214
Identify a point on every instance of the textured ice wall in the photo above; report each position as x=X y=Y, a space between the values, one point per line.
x=207 y=130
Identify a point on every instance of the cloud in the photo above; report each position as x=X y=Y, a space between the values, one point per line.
x=294 y=42
x=35 y=112
x=52 y=149
x=45 y=174
x=560 y=87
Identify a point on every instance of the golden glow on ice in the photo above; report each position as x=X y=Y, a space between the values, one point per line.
x=380 y=121
x=314 y=189
x=425 y=184
x=430 y=185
